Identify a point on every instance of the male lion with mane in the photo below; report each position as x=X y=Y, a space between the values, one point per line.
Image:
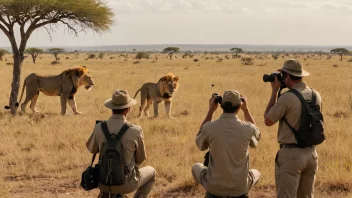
x=64 y=85
x=162 y=91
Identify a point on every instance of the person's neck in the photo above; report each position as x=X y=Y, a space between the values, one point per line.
x=293 y=83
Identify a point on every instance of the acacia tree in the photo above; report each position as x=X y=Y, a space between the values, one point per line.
x=2 y=53
x=56 y=52
x=236 y=51
x=30 y=15
x=340 y=51
x=34 y=52
x=170 y=51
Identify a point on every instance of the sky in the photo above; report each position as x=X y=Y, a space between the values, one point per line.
x=257 y=22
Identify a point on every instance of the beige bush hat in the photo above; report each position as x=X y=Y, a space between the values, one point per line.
x=120 y=100
x=295 y=68
x=232 y=96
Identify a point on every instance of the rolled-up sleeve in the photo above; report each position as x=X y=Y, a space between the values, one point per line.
x=255 y=138
x=202 y=139
x=277 y=111
x=141 y=154
x=92 y=143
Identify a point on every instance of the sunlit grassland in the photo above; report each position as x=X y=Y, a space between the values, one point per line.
x=44 y=154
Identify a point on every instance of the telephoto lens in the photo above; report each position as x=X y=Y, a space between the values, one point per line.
x=269 y=77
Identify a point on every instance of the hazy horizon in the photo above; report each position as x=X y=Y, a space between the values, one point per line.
x=242 y=22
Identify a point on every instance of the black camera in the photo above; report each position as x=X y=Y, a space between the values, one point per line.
x=271 y=77
x=217 y=97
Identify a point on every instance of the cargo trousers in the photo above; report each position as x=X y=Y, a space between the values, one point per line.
x=143 y=186
x=199 y=172
x=295 y=170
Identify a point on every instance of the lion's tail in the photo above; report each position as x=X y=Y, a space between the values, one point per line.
x=137 y=93
x=17 y=103
x=24 y=86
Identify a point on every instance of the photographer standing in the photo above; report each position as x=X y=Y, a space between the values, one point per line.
x=295 y=165
x=132 y=151
x=228 y=140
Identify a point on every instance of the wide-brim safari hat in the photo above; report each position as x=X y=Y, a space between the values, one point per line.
x=233 y=97
x=295 y=68
x=120 y=100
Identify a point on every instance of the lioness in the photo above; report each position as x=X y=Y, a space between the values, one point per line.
x=162 y=91
x=64 y=85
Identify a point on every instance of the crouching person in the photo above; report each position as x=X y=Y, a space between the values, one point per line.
x=228 y=140
x=121 y=148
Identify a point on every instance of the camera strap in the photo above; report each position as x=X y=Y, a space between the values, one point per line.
x=279 y=94
x=93 y=159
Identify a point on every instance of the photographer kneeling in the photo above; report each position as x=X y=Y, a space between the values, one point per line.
x=228 y=139
x=122 y=151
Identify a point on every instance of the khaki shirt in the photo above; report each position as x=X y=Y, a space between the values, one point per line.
x=228 y=139
x=133 y=149
x=289 y=106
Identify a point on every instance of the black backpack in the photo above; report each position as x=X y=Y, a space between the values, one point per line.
x=311 y=129
x=112 y=166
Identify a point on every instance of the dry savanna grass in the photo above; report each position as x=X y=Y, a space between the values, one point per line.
x=44 y=154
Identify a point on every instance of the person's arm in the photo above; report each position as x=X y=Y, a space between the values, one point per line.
x=247 y=114
x=249 y=118
x=92 y=143
x=212 y=108
x=275 y=86
x=201 y=139
x=141 y=154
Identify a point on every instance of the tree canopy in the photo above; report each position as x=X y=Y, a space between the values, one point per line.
x=55 y=51
x=340 y=51
x=34 y=52
x=170 y=51
x=236 y=51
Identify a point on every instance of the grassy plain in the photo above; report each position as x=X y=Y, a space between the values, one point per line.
x=43 y=155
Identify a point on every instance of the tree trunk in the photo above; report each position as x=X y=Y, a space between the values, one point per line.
x=15 y=86
x=341 y=57
x=33 y=58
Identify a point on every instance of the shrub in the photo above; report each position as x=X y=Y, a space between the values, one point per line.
x=275 y=56
x=247 y=60
x=195 y=60
x=219 y=60
x=91 y=56
x=55 y=62
x=101 y=55
x=136 y=62
x=141 y=55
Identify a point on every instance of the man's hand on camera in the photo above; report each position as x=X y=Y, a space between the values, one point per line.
x=244 y=103
x=275 y=85
x=212 y=105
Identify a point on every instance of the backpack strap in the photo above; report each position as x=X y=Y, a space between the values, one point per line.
x=122 y=131
x=303 y=101
x=314 y=97
x=119 y=135
x=104 y=127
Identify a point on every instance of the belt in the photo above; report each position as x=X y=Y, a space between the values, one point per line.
x=209 y=195
x=294 y=146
